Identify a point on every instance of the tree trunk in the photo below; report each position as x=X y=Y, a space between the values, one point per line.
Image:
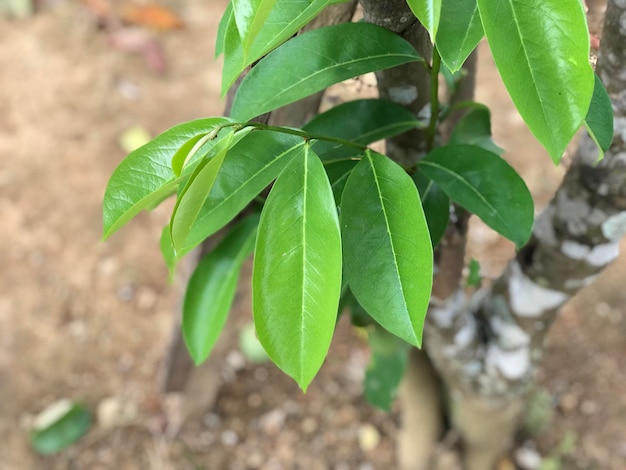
x=487 y=349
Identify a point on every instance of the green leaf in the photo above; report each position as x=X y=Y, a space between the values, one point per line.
x=250 y=16
x=338 y=173
x=195 y=193
x=211 y=289
x=474 y=278
x=227 y=17
x=285 y=19
x=362 y=122
x=313 y=61
x=474 y=128
x=436 y=205
x=145 y=176
x=167 y=250
x=247 y=169
x=460 y=31
x=73 y=422
x=297 y=269
x=541 y=50
x=485 y=185
x=388 y=258
x=385 y=369
x=599 y=120
x=428 y=12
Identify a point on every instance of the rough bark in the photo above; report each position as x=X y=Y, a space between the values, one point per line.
x=487 y=348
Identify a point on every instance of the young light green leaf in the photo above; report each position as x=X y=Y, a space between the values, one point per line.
x=297 y=269
x=460 y=31
x=436 y=205
x=333 y=54
x=145 y=176
x=428 y=12
x=227 y=17
x=247 y=169
x=385 y=369
x=485 y=185
x=388 y=259
x=474 y=128
x=599 y=120
x=285 y=19
x=474 y=278
x=195 y=193
x=362 y=122
x=541 y=50
x=250 y=16
x=211 y=289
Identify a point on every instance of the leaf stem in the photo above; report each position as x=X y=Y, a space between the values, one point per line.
x=431 y=132
x=303 y=134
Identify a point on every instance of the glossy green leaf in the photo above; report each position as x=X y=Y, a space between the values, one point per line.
x=362 y=122
x=474 y=128
x=285 y=19
x=250 y=16
x=195 y=193
x=388 y=258
x=386 y=368
x=599 y=120
x=436 y=205
x=313 y=61
x=297 y=269
x=247 y=169
x=227 y=17
x=428 y=12
x=145 y=176
x=541 y=50
x=460 y=31
x=211 y=289
x=485 y=185
x=63 y=431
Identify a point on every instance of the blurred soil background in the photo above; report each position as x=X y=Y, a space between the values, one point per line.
x=91 y=321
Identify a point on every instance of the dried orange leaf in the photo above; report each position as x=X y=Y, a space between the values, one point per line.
x=153 y=16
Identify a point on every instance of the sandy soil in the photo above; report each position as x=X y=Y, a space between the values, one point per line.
x=91 y=321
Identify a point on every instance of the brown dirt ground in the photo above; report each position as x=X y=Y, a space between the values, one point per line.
x=88 y=320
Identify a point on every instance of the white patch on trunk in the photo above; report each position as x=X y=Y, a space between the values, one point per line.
x=529 y=299
x=602 y=255
x=574 y=250
x=513 y=364
x=599 y=255
x=509 y=335
x=443 y=312
x=579 y=283
x=614 y=227
x=544 y=228
x=463 y=337
x=403 y=94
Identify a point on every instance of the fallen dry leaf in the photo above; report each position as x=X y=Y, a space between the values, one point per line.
x=152 y=16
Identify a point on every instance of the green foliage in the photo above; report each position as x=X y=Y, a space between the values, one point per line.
x=211 y=289
x=334 y=53
x=485 y=185
x=541 y=49
x=341 y=221
x=297 y=269
x=387 y=250
x=385 y=369
x=69 y=423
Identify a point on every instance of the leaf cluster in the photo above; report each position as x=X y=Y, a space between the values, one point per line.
x=343 y=224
